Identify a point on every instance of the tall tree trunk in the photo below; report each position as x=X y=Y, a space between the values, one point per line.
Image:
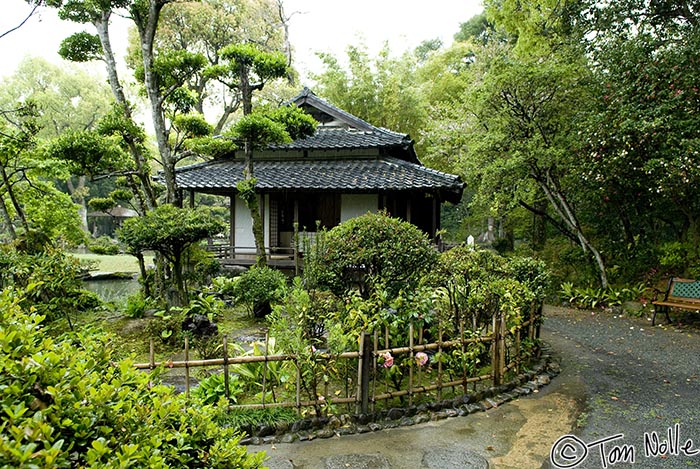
x=8 y=219
x=135 y=148
x=78 y=196
x=250 y=197
x=564 y=210
x=147 y=27
x=19 y=211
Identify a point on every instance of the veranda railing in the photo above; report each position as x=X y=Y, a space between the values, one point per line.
x=369 y=387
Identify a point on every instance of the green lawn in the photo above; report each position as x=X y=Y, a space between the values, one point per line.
x=118 y=263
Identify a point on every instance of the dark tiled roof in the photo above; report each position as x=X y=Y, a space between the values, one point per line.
x=337 y=174
x=336 y=139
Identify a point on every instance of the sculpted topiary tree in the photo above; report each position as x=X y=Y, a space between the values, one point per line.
x=370 y=251
x=169 y=231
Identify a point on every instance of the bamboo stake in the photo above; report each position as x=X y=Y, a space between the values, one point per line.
x=264 y=383
x=374 y=368
x=439 y=389
x=227 y=388
x=464 y=357
x=410 y=364
x=151 y=355
x=298 y=403
x=187 y=368
x=358 y=394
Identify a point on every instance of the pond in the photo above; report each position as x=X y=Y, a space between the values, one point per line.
x=113 y=290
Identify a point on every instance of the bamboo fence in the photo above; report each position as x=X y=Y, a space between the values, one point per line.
x=504 y=352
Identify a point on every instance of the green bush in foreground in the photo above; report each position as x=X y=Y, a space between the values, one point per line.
x=66 y=403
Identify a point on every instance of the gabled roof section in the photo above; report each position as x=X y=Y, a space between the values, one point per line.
x=340 y=130
x=325 y=113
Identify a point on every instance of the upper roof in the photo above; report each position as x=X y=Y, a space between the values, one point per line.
x=325 y=161
x=339 y=129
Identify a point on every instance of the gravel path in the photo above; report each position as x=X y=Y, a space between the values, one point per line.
x=641 y=386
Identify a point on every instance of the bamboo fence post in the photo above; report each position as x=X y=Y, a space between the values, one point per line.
x=298 y=403
x=151 y=354
x=495 y=349
x=264 y=377
x=503 y=332
x=410 y=364
x=358 y=393
x=227 y=389
x=187 y=367
x=420 y=368
x=439 y=377
x=374 y=369
x=366 y=360
x=517 y=350
x=465 y=383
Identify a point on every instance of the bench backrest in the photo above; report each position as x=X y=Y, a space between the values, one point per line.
x=684 y=290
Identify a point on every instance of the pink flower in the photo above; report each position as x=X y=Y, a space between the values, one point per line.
x=421 y=358
x=388 y=360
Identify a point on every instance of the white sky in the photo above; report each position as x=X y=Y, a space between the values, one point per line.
x=316 y=25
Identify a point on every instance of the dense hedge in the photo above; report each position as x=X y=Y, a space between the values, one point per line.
x=67 y=403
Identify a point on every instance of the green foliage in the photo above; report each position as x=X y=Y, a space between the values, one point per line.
x=170 y=231
x=103 y=245
x=479 y=284
x=88 y=152
x=258 y=286
x=382 y=90
x=81 y=47
x=212 y=389
x=260 y=130
x=263 y=64
x=594 y=298
x=136 y=306
x=297 y=123
x=50 y=279
x=240 y=419
x=68 y=403
x=193 y=125
x=372 y=250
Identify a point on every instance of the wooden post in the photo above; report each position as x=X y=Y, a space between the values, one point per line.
x=232 y=226
x=227 y=389
x=517 y=349
x=298 y=403
x=187 y=367
x=502 y=353
x=464 y=354
x=439 y=389
x=374 y=368
x=363 y=372
x=411 y=362
x=264 y=377
x=152 y=354
x=495 y=350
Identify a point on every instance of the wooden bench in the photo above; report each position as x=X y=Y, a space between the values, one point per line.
x=680 y=293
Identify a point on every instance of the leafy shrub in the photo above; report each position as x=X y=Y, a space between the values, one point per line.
x=67 y=403
x=258 y=287
x=371 y=250
x=51 y=280
x=103 y=245
x=137 y=305
x=480 y=283
x=212 y=388
x=592 y=298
